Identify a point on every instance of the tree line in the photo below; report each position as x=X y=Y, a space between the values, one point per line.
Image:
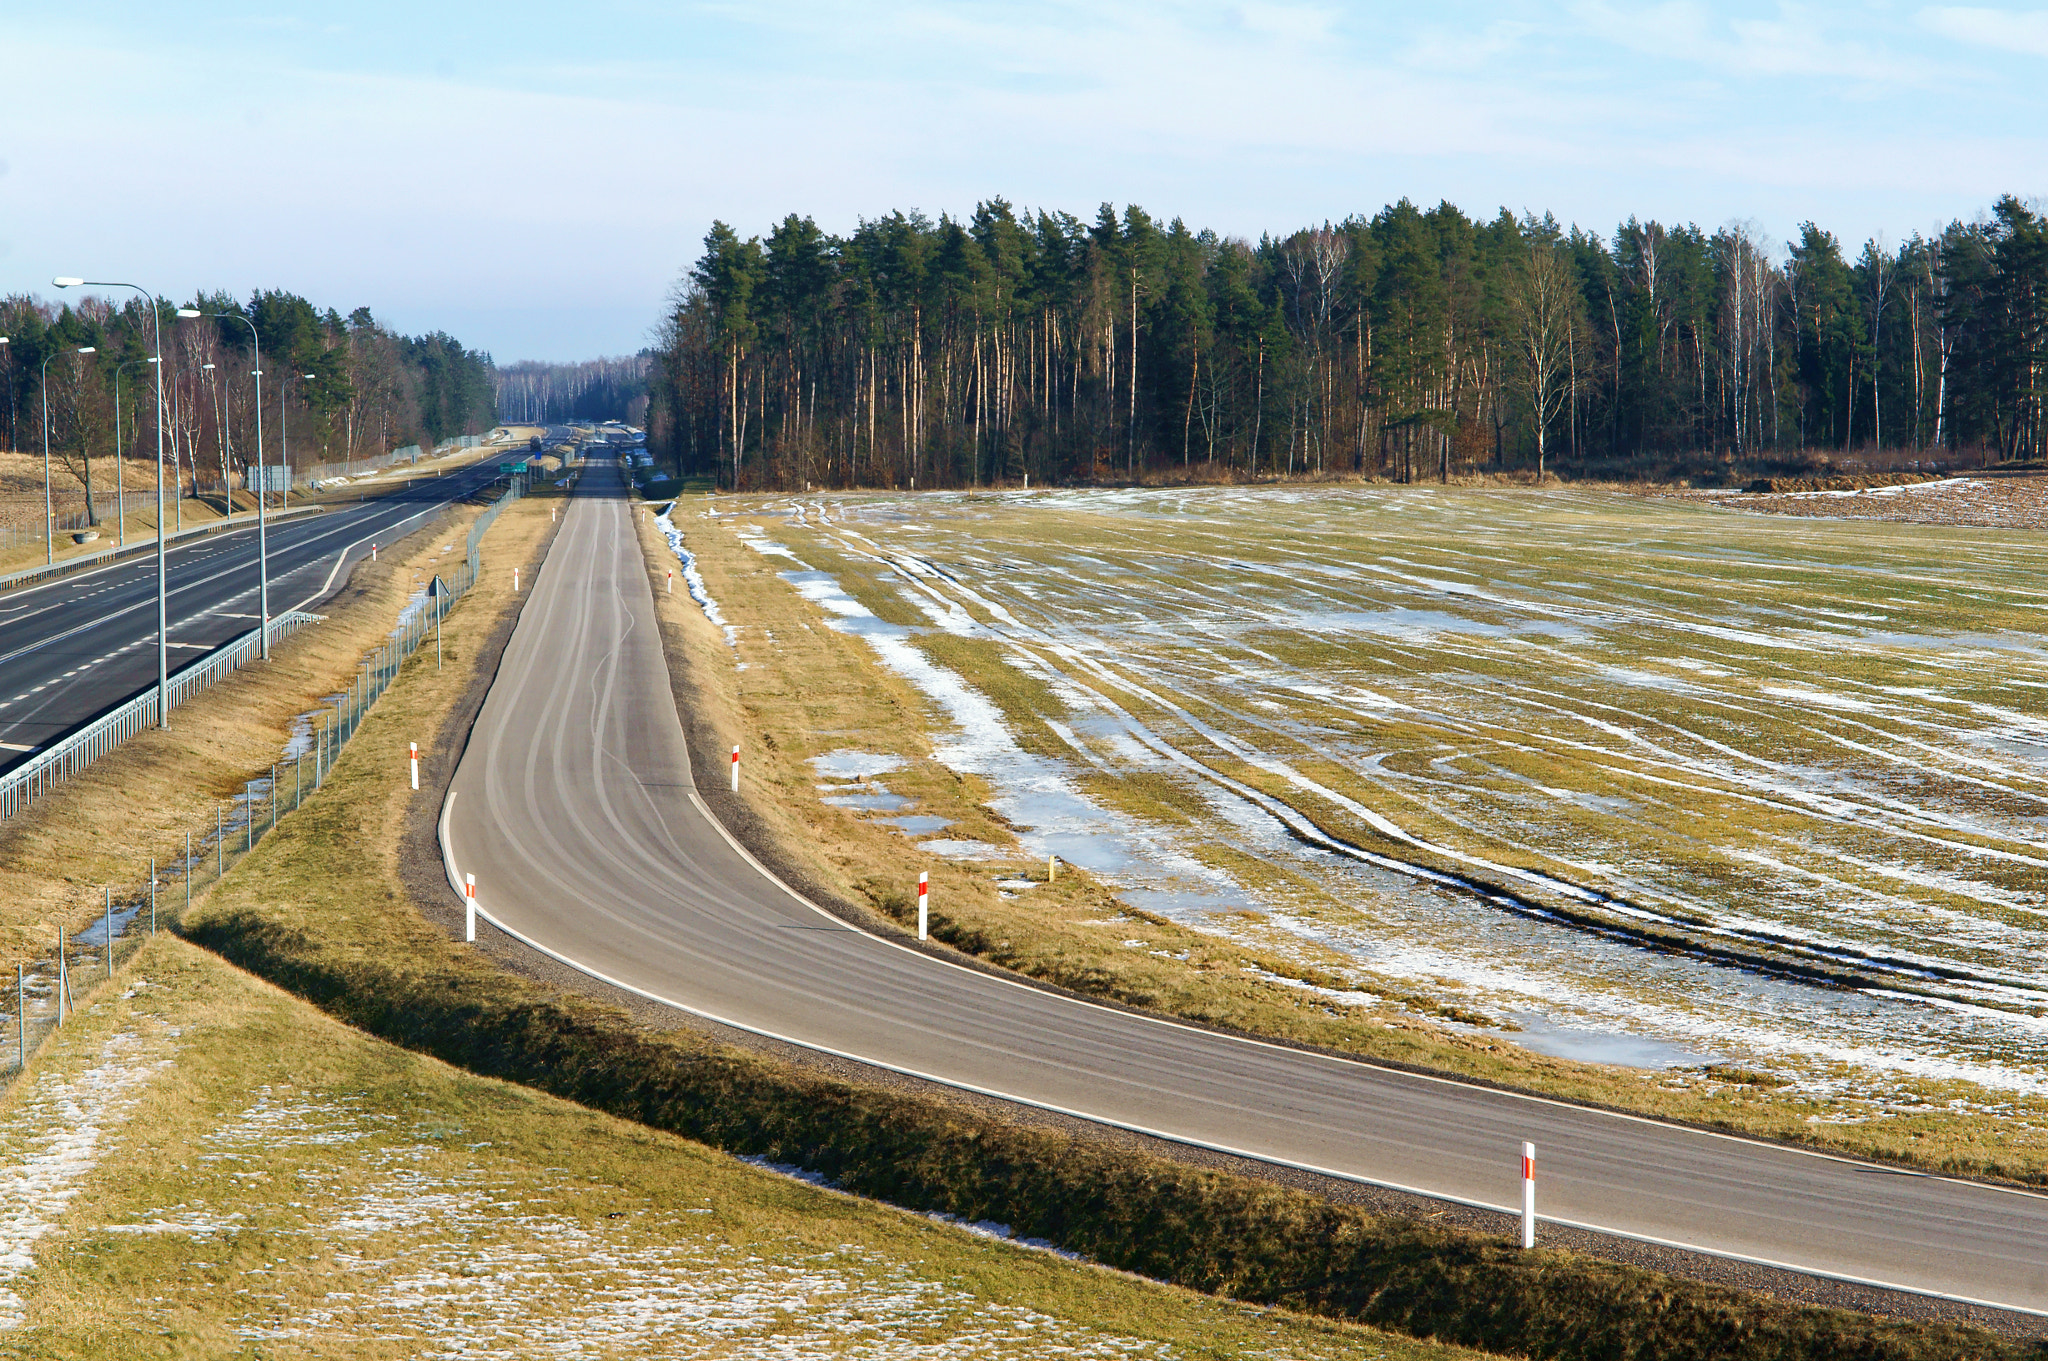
x=334 y=388
x=1415 y=343
x=612 y=389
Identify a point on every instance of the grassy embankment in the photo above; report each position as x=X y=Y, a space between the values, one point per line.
x=806 y=690
x=266 y=1181
x=139 y=802
x=319 y=908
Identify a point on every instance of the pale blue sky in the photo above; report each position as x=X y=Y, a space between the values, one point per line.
x=534 y=178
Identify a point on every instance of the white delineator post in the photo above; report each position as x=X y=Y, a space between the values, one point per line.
x=415 y=763
x=469 y=907
x=671 y=583
x=515 y=581
x=373 y=552
x=735 y=767
x=924 y=893
x=1528 y=1195
x=1052 y=868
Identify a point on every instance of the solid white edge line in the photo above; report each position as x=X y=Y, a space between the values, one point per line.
x=455 y=881
x=341 y=557
x=690 y=788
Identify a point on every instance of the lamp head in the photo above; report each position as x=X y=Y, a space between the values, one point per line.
x=88 y=349
x=206 y=366
x=62 y=282
x=188 y=312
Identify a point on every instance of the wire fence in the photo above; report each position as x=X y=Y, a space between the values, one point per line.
x=47 y=992
x=42 y=772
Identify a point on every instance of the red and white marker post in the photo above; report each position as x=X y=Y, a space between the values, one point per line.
x=924 y=893
x=515 y=581
x=735 y=767
x=373 y=552
x=415 y=763
x=671 y=583
x=1528 y=1195
x=469 y=907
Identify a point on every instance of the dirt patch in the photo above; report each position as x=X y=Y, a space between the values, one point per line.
x=2015 y=501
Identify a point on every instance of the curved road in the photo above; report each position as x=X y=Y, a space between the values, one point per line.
x=573 y=807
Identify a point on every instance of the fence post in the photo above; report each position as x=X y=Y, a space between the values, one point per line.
x=109 y=918
x=63 y=978
x=220 y=841
x=20 y=1017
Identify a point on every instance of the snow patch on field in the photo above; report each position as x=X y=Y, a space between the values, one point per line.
x=450 y=1257
x=53 y=1142
x=693 y=580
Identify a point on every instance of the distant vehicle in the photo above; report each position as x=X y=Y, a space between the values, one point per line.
x=533 y=443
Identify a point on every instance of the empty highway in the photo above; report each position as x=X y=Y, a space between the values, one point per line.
x=75 y=646
x=574 y=808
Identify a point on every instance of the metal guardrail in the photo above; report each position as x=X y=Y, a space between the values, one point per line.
x=41 y=772
x=49 y=989
x=36 y=776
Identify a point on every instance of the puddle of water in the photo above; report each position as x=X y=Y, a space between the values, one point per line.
x=96 y=935
x=1601 y=1046
x=918 y=824
x=879 y=803
x=847 y=764
x=967 y=850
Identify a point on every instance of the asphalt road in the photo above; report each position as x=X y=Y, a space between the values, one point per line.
x=574 y=808
x=74 y=647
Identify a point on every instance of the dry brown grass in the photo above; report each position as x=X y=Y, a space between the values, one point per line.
x=807 y=689
x=102 y=828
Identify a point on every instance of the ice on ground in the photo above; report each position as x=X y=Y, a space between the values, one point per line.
x=967 y=850
x=847 y=764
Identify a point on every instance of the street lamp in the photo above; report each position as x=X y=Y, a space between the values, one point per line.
x=49 y=510
x=262 y=543
x=163 y=642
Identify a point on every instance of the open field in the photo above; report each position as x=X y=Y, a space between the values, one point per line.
x=1749 y=804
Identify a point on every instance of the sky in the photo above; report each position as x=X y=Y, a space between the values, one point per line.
x=534 y=179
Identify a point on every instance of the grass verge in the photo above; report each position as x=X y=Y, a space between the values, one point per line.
x=258 y=1179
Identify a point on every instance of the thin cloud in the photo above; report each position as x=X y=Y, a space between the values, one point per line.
x=2024 y=31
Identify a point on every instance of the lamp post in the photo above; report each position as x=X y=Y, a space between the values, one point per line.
x=262 y=543
x=163 y=644
x=49 y=509
x=10 y=394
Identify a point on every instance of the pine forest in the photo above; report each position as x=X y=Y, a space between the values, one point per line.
x=1417 y=344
